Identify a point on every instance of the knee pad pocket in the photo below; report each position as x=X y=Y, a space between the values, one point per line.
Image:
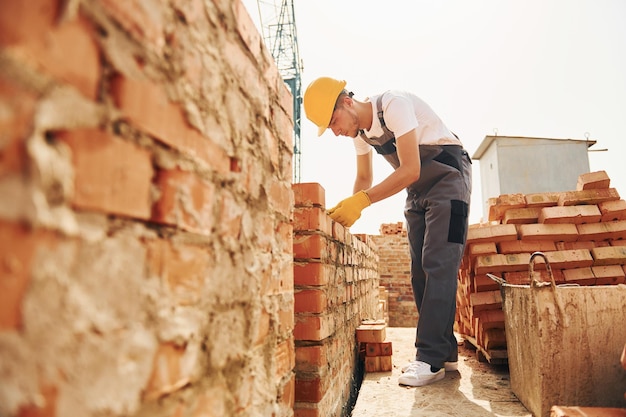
x=459 y=210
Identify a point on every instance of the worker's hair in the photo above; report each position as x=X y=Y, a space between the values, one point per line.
x=341 y=95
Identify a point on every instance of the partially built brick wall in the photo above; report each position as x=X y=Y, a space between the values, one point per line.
x=145 y=219
x=395 y=274
x=336 y=288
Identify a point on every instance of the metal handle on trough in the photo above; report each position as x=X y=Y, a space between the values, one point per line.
x=531 y=268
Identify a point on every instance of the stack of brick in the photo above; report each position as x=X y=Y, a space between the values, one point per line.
x=336 y=288
x=395 y=274
x=581 y=232
x=393 y=229
x=375 y=350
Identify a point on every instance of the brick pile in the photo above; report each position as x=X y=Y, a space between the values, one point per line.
x=374 y=350
x=336 y=287
x=393 y=229
x=581 y=232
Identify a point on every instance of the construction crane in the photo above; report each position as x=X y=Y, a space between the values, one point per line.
x=278 y=28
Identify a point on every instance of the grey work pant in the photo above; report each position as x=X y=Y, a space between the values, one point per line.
x=436 y=211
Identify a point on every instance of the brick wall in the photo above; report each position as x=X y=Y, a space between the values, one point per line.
x=395 y=274
x=336 y=287
x=145 y=221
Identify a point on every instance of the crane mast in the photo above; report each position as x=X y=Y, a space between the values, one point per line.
x=278 y=27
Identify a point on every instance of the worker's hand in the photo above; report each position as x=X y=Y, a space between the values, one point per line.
x=349 y=209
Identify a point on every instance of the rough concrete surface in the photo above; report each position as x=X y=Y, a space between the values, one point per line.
x=478 y=389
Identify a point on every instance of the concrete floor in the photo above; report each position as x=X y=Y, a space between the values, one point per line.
x=478 y=389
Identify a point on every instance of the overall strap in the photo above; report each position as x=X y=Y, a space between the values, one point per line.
x=386 y=144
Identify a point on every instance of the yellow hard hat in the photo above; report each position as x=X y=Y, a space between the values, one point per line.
x=319 y=101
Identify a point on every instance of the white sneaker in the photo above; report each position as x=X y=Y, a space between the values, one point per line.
x=418 y=374
x=448 y=366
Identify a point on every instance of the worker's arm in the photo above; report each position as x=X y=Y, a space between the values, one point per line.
x=407 y=173
x=364 y=172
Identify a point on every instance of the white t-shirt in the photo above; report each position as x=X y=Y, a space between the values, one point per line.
x=402 y=112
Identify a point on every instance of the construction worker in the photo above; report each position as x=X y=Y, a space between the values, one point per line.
x=430 y=163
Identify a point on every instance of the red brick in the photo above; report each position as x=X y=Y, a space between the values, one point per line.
x=262 y=330
x=285 y=357
x=46 y=403
x=589 y=244
x=111 y=175
x=542 y=199
x=386 y=363
x=280 y=197
x=169 y=372
x=288 y=393
x=565 y=259
x=487 y=300
x=313 y=328
x=186 y=200
x=482 y=248
x=570 y=214
x=498 y=206
x=541 y=275
x=310 y=247
x=494 y=338
x=553 y=232
x=26 y=22
x=311 y=273
x=310 y=358
x=610 y=255
x=609 y=274
x=247 y=30
x=68 y=53
x=146 y=104
x=501 y=263
x=602 y=231
x=521 y=215
x=613 y=210
x=18 y=248
x=372 y=364
x=373 y=333
x=484 y=283
x=182 y=268
x=307 y=410
x=491 y=233
x=309 y=194
x=593 y=196
x=309 y=390
x=286 y=319
x=593 y=180
x=310 y=301
x=230 y=215
x=16 y=123
x=140 y=20
x=580 y=276
x=311 y=219
x=372 y=349
x=519 y=246
x=491 y=319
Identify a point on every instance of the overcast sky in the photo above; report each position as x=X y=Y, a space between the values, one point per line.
x=533 y=68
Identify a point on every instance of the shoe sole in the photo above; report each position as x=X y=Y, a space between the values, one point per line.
x=448 y=366
x=421 y=382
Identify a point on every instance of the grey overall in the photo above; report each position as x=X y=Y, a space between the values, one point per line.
x=436 y=211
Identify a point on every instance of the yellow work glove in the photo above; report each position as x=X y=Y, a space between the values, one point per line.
x=349 y=210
